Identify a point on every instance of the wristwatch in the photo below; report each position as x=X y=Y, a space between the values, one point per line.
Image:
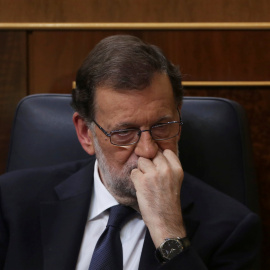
x=171 y=247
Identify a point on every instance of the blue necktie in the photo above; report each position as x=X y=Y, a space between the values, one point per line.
x=108 y=251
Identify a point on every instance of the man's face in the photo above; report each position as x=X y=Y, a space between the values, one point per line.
x=131 y=109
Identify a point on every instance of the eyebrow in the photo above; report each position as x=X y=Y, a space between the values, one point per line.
x=126 y=125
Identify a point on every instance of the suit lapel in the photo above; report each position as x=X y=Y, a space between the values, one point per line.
x=148 y=260
x=63 y=221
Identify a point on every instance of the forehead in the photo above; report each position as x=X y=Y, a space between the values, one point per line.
x=154 y=101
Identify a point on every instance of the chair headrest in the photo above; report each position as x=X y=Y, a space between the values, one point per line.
x=214 y=143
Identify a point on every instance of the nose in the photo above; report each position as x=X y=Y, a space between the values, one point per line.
x=146 y=146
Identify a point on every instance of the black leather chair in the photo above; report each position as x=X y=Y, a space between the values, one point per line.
x=214 y=145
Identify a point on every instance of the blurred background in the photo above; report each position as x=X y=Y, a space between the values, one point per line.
x=222 y=48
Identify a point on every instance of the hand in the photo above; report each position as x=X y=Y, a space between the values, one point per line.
x=158 y=184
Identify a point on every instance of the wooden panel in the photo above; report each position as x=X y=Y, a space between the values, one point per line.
x=202 y=55
x=13 y=84
x=256 y=103
x=134 y=11
x=216 y=55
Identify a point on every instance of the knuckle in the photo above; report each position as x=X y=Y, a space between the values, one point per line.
x=178 y=170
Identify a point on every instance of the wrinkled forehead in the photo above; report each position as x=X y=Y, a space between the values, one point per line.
x=153 y=99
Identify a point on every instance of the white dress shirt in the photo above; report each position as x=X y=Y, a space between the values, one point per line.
x=132 y=234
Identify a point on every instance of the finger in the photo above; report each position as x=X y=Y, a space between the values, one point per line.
x=174 y=163
x=145 y=165
x=172 y=158
x=135 y=175
x=160 y=160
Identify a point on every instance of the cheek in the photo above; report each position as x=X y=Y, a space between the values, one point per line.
x=170 y=144
x=105 y=141
x=118 y=156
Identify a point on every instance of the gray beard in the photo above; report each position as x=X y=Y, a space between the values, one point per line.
x=118 y=183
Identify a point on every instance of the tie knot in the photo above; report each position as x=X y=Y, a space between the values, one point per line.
x=119 y=215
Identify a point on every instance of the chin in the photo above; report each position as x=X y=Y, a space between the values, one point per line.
x=123 y=191
x=132 y=202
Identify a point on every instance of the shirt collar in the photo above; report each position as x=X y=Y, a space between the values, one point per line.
x=101 y=199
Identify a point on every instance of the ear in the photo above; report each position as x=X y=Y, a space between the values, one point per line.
x=84 y=135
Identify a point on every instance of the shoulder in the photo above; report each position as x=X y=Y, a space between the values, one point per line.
x=214 y=208
x=222 y=228
x=26 y=181
x=208 y=196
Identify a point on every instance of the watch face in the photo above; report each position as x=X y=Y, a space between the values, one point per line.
x=171 y=248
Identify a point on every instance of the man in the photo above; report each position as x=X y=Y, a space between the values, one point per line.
x=127 y=105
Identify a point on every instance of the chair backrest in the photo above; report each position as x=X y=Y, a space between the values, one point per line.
x=214 y=145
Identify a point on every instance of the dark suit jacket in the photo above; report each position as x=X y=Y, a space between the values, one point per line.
x=44 y=211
